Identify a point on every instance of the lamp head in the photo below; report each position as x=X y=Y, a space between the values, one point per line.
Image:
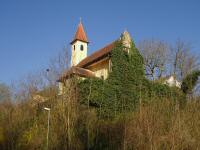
x=46 y=108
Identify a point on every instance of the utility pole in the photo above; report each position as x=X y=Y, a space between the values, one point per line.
x=48 y=109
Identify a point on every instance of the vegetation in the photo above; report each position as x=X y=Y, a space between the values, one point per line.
x=155 y=125
x=4 y=92
x=126 y=111
x=190 y=81
x=126 y=86
x=162 y=58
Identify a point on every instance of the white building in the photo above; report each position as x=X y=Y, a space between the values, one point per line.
x=171 y=81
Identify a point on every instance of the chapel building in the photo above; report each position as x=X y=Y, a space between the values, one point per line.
x=96 y=65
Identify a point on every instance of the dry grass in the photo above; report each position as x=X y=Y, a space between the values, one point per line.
x=160 y=125
x=157 y=125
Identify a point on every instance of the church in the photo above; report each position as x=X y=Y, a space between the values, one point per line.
x=96 y=65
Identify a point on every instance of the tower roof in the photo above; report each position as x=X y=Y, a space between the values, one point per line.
x=80 y=34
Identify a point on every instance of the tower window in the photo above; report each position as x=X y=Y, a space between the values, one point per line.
x=81 y=47
x=74 y=47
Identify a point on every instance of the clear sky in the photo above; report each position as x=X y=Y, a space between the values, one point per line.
x=33 y=31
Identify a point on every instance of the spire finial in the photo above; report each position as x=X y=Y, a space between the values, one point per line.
x=80 y=19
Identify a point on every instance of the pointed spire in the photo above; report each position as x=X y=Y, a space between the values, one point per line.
x=80 y=34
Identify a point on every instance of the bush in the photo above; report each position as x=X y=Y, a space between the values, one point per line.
x=190 y=81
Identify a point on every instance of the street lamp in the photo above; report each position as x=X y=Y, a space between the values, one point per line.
x=48 y=109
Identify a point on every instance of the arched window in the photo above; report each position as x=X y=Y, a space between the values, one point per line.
x=81 y=47
x=74 y=47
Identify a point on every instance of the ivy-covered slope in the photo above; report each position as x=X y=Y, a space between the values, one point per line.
x=125 y=86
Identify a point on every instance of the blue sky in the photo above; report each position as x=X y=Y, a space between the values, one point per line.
x=33 y=31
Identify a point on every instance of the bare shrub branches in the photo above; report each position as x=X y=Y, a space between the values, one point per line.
x=155 y=54
x=163 y=59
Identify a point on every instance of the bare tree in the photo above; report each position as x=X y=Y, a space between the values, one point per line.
x=161 y=59
x=155 y=54
x=183 y=61
x=56 y=66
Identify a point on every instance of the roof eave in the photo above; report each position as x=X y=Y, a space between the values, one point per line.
x=79 y=40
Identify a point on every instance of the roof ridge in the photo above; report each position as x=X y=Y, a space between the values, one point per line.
x=95 y=55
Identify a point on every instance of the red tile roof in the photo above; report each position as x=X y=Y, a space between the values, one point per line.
x=77 y=71
x=96 y=55
x=80 y=34
x=80 y=70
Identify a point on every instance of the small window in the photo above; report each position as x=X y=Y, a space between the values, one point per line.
x=74 y=47
x=81 y=47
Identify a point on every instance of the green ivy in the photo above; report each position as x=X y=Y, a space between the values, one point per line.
x=125 y=86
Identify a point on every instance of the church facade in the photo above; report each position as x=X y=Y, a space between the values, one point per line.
x=96 y=65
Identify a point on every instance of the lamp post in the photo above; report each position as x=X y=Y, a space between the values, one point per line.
x=48 y=109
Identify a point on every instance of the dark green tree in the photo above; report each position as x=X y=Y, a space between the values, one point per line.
x=190 y=81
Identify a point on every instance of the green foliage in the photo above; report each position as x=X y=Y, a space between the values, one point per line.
x=119 y=93
x=125 y=87
x=190 y=81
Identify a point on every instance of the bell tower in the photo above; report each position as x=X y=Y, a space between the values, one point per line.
x=79 y=46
